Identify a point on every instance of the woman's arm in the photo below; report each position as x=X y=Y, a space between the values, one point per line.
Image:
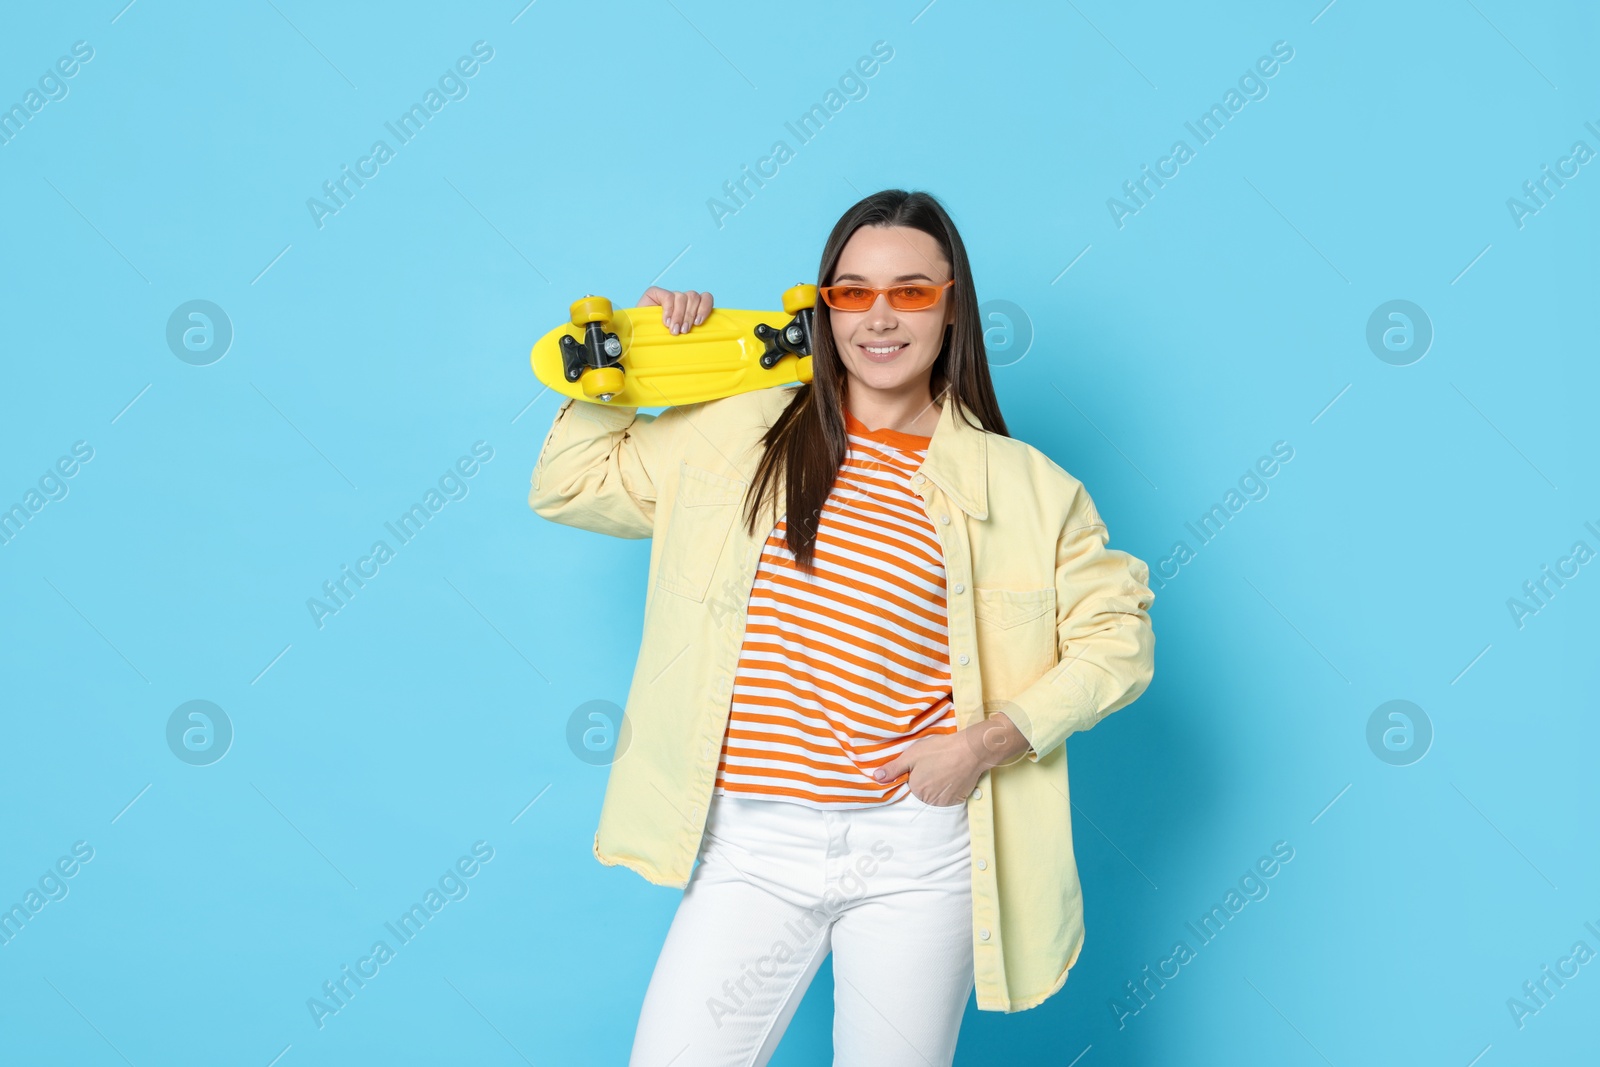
x=599 y=468
x=600 y=465
x=1107 y=657
x=1106 y=642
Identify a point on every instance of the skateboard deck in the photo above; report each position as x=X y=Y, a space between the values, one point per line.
x=626 y=357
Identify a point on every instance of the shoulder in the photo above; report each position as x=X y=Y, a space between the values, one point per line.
x=724 y=434
x=1015 y=463
x=755 y=406
x=1011 y=455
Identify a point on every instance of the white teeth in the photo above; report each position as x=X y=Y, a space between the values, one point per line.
x=882 y=351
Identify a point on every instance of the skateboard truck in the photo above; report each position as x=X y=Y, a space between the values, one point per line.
x=598 y=349
x=597 y=360
x=795 y=338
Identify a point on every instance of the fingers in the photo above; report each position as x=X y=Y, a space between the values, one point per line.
x=685 y=308
x=703 y=309
x=680 y=311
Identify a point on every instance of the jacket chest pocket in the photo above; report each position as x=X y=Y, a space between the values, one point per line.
x=1016 y=637
x=697 y=531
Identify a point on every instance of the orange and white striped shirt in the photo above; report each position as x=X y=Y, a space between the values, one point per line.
x=840 y=673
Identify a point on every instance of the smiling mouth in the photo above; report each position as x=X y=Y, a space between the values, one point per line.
x=882 y=351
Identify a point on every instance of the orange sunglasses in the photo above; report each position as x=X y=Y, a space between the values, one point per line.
x=901 y=297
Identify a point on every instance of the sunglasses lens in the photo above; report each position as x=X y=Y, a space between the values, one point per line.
x=848 y=297
x=912 y=297
x=861 y=298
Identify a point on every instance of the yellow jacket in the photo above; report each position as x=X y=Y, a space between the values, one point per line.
x=1045 y=623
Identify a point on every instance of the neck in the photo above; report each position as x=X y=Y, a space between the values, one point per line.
x=914 y=413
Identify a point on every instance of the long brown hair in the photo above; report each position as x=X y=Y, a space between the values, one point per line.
x=808 y=439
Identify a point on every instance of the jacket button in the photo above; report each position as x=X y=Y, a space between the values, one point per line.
x=962 y=659
x=983 y=865
x=983 y=935
x=977 y=794
x=920 y=479
x=960 y=588
x=945 y=519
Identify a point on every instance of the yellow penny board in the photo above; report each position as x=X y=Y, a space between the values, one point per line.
x=646 y=366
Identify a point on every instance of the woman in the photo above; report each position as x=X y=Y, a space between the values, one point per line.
x=820 y=706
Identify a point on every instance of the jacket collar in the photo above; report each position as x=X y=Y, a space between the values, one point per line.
x=957 y=460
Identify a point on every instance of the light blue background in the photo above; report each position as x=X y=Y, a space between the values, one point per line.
x=369 y=354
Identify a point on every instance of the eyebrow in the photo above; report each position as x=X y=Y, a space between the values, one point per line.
x=900 y=278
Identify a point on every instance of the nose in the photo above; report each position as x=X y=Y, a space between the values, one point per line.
x=880 y=313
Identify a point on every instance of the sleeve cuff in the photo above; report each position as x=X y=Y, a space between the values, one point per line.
x=611 y=416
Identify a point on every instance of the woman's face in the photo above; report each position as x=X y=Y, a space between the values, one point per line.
x=884 y=349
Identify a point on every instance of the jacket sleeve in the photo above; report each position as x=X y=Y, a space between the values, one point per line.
x=600 y=468
x=1106 y=643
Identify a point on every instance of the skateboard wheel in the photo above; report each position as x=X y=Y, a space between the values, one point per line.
x=602 y=381
x=804 y=368
x=797 y=299
x=590 y=309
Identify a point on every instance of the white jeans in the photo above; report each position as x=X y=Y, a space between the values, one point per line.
x=888 y=888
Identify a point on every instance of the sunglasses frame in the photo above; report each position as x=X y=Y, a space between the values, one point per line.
x=823 y=292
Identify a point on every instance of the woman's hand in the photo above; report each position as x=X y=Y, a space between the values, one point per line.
x=945 y=768
x=680 y=311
